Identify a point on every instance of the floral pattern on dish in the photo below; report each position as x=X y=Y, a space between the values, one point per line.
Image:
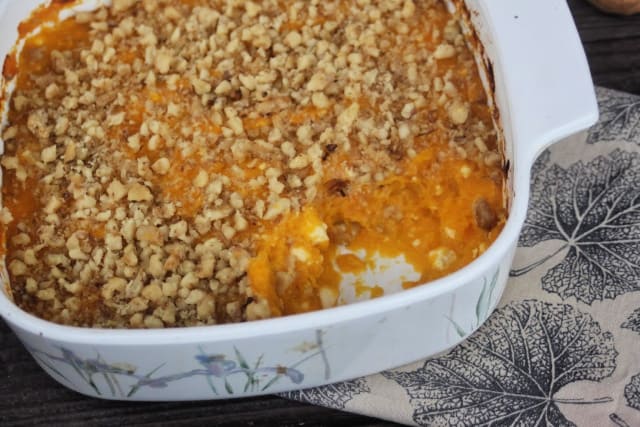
x=483 y=305
x=224 y=374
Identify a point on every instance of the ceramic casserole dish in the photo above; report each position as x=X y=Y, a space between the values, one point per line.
x=539 y=82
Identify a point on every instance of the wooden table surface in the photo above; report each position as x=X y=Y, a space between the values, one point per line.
x=29 y=397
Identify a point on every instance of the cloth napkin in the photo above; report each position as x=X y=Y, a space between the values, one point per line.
x=563 y=347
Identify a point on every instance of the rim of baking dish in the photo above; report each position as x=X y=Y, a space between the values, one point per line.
x=295 y=322
x=15 y=316
x=517 y=194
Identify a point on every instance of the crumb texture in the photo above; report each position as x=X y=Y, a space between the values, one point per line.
x=183 y=163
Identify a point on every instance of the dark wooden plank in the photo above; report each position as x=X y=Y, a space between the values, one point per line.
x=612 y=44
x=29 y=397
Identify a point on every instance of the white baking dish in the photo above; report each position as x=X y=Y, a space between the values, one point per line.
x=543 y=92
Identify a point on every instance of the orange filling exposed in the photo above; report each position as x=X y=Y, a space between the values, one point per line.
x=438 y=200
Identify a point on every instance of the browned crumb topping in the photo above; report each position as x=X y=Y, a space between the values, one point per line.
x=151 y=145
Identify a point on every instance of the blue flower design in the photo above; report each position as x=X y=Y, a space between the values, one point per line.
x=212 y=366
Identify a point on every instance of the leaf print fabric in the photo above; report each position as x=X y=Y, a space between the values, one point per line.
x=619 y=118
x=510 y=370
x=593 y=209
x=633 y=322
x=632 y=392
x=332 y=395
x=564 y=348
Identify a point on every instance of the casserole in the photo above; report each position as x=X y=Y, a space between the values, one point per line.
x=345 y=342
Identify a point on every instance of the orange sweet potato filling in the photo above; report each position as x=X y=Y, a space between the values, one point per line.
x=428 y=211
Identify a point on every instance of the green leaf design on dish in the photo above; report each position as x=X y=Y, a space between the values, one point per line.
x=459 y=329
x=482 y=306
x=213 y=367
x=486 y=295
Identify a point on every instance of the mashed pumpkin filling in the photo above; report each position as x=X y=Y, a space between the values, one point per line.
x=180 y=163
x=429 y=214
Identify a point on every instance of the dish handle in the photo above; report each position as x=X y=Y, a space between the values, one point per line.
x=540 y=63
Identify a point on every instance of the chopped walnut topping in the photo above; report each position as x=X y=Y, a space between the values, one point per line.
x=122 y=5
x=320 y=100
x=317 y=82
x=37 y=124
x=161 y=166
x=444 y=51
x=458 y=113
x=163 y=150
x=48 y=154
x=163 y=62
x=139 y=193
